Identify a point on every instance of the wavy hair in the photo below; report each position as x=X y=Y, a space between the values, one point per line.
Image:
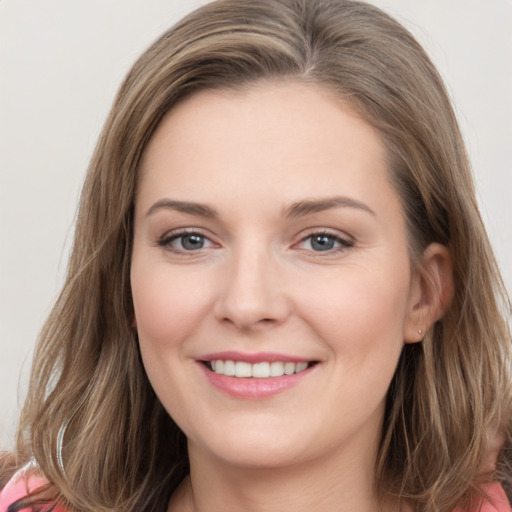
x=451 y=394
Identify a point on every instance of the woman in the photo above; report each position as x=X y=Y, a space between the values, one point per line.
x=281 y=294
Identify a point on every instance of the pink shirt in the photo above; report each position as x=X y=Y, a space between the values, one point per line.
x=25 y=481
x=22 y=483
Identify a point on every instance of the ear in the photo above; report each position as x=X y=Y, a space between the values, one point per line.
x=431 y=292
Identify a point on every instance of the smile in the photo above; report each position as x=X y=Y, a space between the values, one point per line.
x=260 y=370
x=255 y=376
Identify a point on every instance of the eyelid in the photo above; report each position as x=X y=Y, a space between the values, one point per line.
x=165 y=240
x=345 y=240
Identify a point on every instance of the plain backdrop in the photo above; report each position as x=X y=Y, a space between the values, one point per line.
x=60 y=65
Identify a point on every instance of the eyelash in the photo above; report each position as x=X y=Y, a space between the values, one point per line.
x=166 y=240
x=344 y=244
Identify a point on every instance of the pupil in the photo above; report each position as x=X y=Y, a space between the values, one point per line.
x=192 y=242
x=322 y=243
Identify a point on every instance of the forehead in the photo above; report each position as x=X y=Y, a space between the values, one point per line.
x=278 y=141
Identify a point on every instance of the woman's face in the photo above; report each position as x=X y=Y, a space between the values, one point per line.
x=270 y=243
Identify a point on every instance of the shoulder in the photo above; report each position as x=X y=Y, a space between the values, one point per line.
x=497 y=502
x=25 y=481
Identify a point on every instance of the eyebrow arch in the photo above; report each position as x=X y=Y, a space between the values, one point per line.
x=191 y=208
x=308 y=207
x=298 y=209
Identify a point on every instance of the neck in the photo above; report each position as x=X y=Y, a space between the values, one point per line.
x=332 y=484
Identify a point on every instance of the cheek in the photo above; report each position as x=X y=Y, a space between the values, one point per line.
x=360 y=310
x=168 y=305
x=168 y=310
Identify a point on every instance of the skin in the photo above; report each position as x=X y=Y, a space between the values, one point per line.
x=259 y=284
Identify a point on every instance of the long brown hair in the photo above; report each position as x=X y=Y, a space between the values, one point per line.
x=450 y=393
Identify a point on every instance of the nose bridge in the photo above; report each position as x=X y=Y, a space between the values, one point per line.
x=252 y=292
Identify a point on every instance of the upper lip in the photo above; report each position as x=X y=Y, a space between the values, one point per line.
x=257 y=357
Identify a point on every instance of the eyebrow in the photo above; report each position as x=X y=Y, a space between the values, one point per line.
x=311 y=206
x=198 y=209
x=298 y=209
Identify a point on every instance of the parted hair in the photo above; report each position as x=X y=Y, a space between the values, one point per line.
x=451 y=394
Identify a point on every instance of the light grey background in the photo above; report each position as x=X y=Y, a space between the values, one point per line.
x=60 y=65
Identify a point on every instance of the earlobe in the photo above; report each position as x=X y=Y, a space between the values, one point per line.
x=431 y=292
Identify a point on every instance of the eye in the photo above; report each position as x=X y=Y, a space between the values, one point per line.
x=324 y=242
x=185 y=241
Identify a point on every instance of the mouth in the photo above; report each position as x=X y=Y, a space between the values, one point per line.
x=259 y=370
x=255 y=376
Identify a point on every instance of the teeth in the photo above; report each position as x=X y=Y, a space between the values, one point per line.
x=261 y=370
x=243 y=369
x=276 y=369
x=289 y=368
x=258 y=370
x=300 y=367
x=229 y=368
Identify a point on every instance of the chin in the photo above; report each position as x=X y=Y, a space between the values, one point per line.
x=245 y=441
x=261 y=443
x=257 y=455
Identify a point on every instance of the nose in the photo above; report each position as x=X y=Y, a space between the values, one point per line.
x=252 y=295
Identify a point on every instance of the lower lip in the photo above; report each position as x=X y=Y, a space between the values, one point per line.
x=252 y=388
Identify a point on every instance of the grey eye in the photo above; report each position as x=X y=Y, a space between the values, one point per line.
x=322 y=242
x=185 y=241
x=325 y=242
x=191 y=242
